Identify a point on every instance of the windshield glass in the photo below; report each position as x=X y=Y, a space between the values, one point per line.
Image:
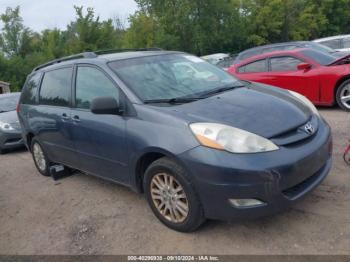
x=8 y=103
x=319 y=57
x=170 y=76
x=320 y=47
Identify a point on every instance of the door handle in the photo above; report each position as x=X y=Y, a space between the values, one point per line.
x=76 y=118
x=65 y=117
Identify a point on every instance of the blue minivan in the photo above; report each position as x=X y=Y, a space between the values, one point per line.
x=199 y=143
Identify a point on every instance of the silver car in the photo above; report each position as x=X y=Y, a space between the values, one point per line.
x=10 y=129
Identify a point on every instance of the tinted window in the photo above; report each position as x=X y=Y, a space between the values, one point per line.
x=92 y=83
x=319 y=57
x=30 y=89
x=319 y=47
x=286 y=63
x=170 y=76
x=335 y=44
x=257 y=66
x=56 y=87
x=8 y=102
x=346 y=42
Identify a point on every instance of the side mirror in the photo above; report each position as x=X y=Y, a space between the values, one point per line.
x=105 y=106
x=304 y=66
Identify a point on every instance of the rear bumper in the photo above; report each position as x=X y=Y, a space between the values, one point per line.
x=10 y=140
x=277 y=178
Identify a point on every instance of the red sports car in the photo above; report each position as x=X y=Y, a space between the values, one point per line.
x=322 y=78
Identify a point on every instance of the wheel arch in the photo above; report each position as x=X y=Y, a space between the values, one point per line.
x=144 y=160
x=29 y=138
x=337 y=85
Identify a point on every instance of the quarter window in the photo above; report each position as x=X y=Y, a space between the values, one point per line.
x=286 y=63
x=30 y=90
x=254 y=67
x=92 y=83
x=56 y=87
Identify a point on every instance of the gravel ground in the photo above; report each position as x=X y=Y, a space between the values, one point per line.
x=86 y=215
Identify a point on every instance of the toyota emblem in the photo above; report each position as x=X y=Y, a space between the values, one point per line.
x=309 y=128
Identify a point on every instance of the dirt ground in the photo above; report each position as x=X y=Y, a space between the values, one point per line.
x=86 y=215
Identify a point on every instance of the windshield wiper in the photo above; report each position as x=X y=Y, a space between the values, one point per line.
x=220 y=90
x=176 y=100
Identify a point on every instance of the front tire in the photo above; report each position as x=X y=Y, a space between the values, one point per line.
x=172 y=197
x=343 y=95
x=41 y=161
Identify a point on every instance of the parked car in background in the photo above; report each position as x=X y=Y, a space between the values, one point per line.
x=198 y=147
x=215 y=58
x=322 y=78
x=286 y=46
x=227 y=62
x=339 y=42
x=10 y=130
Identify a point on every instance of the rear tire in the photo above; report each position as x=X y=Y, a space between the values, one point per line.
x=342 y=93
x=172 y=197
x=41 y=161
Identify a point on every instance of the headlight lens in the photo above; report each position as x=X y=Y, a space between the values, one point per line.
x=231 y=139
x=6 y=126
x=305 y=101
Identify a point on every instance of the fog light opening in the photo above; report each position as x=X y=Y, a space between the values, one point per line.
x=249 y=202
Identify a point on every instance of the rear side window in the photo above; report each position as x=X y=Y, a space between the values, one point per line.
x=56 y=87
x=254 y=67
x=335 y=44
x=30 y=90
x=92 y=83
x=286 y=63
x=346 y=42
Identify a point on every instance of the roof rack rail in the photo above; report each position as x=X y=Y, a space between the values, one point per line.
x=66 y=58
x=111 y=51
x=93 y=55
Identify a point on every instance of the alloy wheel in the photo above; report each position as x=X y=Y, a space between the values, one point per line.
x=345 y=96
x=169 y=198
x=39 y=157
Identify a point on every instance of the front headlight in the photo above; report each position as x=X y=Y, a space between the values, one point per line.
x=6 y=126
x=305 y=101
x=231 y=139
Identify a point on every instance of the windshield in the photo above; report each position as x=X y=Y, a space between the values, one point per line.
x=8 y=103
x=319 y=57
x=320 y=47
x=171 y=76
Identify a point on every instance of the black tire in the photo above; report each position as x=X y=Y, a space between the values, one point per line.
x=338 y=95
x=46 y=171
x=2 y=151
x=195 y=216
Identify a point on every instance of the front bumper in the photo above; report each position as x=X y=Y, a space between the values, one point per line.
x=11 y=140
x=278 y=178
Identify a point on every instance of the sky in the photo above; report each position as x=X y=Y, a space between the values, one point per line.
x=43 y=14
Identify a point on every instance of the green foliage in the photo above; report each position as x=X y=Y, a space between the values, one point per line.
x=196 y=26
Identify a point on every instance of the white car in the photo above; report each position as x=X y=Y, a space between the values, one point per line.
x=338 y=42
x=215 y=58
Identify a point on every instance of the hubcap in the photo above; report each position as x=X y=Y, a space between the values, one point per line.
x=39 y=157
x=345 y=96
x=169 y=198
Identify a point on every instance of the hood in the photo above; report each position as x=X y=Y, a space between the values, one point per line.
x=10 y=118
x=260 y=109
x=340 y=60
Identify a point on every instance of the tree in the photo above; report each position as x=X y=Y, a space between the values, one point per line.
x=15 y=37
